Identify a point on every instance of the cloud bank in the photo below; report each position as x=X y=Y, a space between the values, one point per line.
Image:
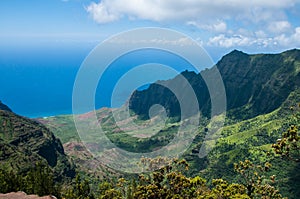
x=228 y=22
x=186 y=10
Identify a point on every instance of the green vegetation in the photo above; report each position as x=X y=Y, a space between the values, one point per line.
x=31 y=158
x=171 y=181
x=252 y=139
x=255 y=155
x=289 y=145
x=249 y=140
x=80 y=189
x=4 y=107
x=38 y=180
x=255 y=85
x=63 y=126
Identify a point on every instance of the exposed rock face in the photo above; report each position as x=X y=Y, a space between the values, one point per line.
x=25 y=142
x=22 y=195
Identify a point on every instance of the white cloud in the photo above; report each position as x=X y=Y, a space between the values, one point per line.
x=102 y=13
x=258 y=39
x=230 y=23
x=227 y=42
x=279 y=26
x=219 y=26
x=291 y=40
x=184 y=41
x=186 y=10
x=260 y=34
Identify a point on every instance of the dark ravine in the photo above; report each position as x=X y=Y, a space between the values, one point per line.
x=254 y=84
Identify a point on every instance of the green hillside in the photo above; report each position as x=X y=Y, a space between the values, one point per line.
x=254 y=84
x=252 y=139
x=262 y=100
x=260 y=90
x=24 y=143
x=248 y=139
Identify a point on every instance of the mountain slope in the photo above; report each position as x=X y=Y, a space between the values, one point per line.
x=260 y=91
x=252 y=139
x=254 y=84
x=4 y=107
x=25 y=142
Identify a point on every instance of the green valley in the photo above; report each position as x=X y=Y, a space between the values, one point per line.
x=263 y=98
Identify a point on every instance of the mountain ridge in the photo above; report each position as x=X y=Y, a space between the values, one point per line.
x=254 y=84
x=4 y=107
x=264 y=87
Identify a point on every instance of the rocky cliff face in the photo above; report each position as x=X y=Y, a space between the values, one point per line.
x=25 y=142
x=255 y=84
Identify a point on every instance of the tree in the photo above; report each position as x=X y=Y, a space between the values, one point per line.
x=256 y=185
x=225 y=190
x=169 y=182
x=10 y=181
x=80 y=190
x=40 y=180
x=288 y=146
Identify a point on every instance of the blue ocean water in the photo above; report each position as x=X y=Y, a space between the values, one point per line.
x=37 y=81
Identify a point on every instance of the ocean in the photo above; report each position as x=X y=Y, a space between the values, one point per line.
x=37 y=81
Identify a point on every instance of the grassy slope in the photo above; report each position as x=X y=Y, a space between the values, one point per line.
x=248 y=139
x=252 y=139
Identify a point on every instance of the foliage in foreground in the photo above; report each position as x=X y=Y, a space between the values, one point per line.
x=39 y=180
x=289 y=145
x=169 y=181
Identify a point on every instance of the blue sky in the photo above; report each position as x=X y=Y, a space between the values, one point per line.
x=220 y=26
